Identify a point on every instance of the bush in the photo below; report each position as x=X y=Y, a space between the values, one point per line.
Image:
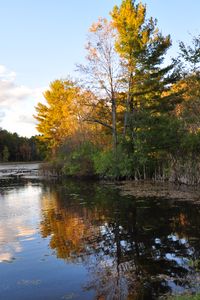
x=117 y=165
x=79 y=162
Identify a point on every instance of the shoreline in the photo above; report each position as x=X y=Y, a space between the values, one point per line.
x=159 y=189
x=135 y=188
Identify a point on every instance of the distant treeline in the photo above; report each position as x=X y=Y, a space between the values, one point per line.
x=15 y=148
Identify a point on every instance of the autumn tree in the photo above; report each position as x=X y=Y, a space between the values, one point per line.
x=61 y=115
x=142 y=50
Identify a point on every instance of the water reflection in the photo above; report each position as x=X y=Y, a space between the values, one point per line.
x=17 y=216
x=132 y=248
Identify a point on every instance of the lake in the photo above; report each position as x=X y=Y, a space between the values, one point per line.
x=88 y=240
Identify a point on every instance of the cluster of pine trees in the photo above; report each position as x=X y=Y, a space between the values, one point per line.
x=132 y=115
x=15 y=148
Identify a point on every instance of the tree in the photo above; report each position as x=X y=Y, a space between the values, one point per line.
x=142 y=49
x=25 y=151
x=60 y=117
x=102 y=72
x=191 y=54
x=61 y=122
x=189 y=110
x=5 y=154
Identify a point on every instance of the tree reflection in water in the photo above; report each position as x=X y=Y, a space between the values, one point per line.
x=132 y=248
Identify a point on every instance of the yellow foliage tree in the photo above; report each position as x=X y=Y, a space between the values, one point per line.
x=67 y=114
x=61 y=116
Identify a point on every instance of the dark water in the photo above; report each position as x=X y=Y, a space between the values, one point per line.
x=82 y=240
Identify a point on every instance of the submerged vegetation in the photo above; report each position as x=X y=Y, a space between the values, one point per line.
x=131 y=116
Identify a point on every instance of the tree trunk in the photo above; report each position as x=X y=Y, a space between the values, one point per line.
x=129 y=107
x=114 y=125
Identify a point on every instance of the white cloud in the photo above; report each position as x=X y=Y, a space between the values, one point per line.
x=2 y=115
x=26 y=119
x=17 y=104
x=11 y=93
x=6 y=74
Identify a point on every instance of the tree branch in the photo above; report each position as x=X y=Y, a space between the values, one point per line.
x=99 y=122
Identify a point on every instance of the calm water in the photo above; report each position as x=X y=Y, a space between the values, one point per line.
x=82 y=240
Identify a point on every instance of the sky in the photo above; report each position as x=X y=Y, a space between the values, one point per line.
x=43 y=40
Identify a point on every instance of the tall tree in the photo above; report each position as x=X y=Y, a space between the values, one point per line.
x=190 y=109
x=102 y=72
x=142 y=49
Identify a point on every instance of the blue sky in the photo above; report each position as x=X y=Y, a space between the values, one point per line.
x=42 y=40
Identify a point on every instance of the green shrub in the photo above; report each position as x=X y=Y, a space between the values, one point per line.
x=79 y=162
x=113 y=165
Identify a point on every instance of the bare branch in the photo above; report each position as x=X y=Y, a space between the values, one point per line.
x=99 y=122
